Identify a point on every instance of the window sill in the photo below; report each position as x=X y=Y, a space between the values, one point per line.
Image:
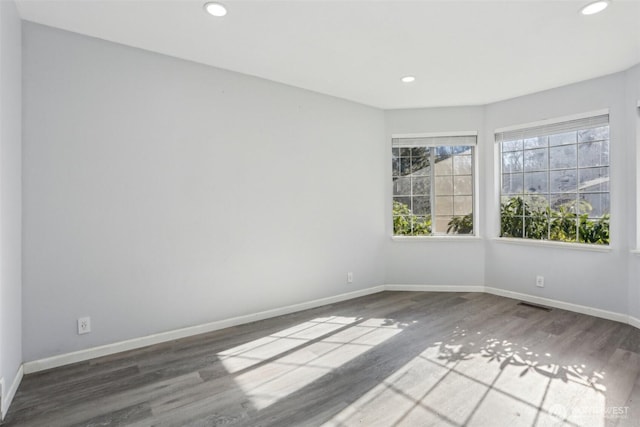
x=552 y=244
x=635 y=251
x=423 y=239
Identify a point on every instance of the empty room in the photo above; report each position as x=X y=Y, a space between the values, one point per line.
x=320 y=213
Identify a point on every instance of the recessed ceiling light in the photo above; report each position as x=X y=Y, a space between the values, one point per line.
x=594 y=7
x=215 y=9
x=408 y=79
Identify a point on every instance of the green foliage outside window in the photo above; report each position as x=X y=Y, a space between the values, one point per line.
x=532 y=219
x=406 y=223
x=461 y=225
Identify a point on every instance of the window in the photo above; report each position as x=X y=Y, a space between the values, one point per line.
x=555 y=181
x=433 y=185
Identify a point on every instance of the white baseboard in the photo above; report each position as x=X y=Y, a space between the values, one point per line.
x=118 y=347
x=610 y=315
x=6 y=397
x=434 y=288
x=105 y=350
x=634 y=321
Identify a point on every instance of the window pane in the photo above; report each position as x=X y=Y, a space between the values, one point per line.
x=416 y=178
x=405 y=166
x=537 y=142
x=512 y=183
x=597 y=204
x=563 y=228
x=512 y=146
x=405 y=203
x=563 y=180
x=563 y=138
x=594 y=230
x=401 y=225
x=595 y=134
x=444 y=205
x=421 y=226
x=563 y=157
x=536 y=227
x=419 y=164
x=560 y=192
x=536 y=182
x=444 y=166
x=419 y=151
x=563 y=201
x=511 y=222
x=421 y=205
x=443 y=152
x=535 y=160
x=460 y=225
x=536 y=203
x=421 y=186
x=442 y=223
x=462 y=185
x=594 y=179
x=402 y=186
x=462 y=165
x=593 y=154
x=444 y=185
x=462 y=205
x=512 y=162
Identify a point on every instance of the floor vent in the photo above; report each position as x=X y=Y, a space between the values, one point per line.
x=539 y=307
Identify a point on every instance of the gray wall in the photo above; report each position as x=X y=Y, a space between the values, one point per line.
x=160 y=193
x=606 y=280
x=572 y=275
x=632 y=91
x=424 y=261
x=10 y=193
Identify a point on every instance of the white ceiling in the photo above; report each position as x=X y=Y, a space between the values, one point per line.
x=461 y=52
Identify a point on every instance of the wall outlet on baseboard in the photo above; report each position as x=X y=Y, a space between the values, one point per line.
x=540 y=281
x=84 y=325
x=350 y=277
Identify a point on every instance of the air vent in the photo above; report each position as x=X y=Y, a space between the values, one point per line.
x=539 y=307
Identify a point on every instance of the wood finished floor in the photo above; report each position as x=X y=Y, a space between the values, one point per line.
x=393 y=358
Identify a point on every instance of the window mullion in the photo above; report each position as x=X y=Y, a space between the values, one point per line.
x=432 y=188
x=524 y=195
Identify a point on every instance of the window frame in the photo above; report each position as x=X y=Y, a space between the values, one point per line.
x=636 y=123
x=475 y=235
x=498 y=164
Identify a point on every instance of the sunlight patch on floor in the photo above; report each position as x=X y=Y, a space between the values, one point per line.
x=246 y=355
x=450 y=384
x=286 y=361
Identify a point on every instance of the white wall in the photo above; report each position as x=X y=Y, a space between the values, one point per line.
x=632 y=91
x=604 y=280
x=594 y=279
x=160 y=193
x=10 y=196
x=420 y=260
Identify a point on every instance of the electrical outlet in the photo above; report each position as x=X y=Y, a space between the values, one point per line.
x=350 y=277
x=540 y=281
x=84 y=325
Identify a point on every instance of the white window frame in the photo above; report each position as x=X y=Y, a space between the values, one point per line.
x=636 y=117
x=475 y=178
x=498 y=181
